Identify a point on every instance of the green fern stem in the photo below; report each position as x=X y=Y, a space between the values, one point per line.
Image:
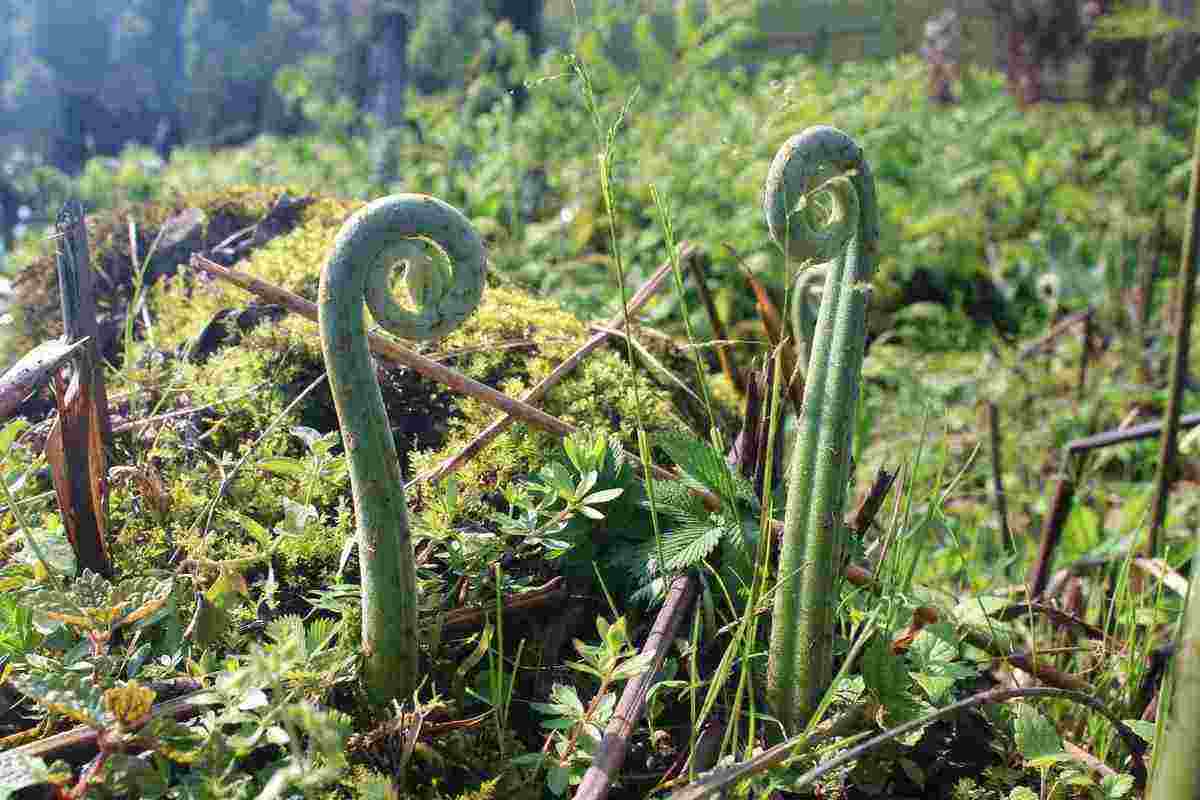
x=372 y=242
x=819 y=160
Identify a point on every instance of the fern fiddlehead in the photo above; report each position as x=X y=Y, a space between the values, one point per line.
x=819 y=160
x=368 y=246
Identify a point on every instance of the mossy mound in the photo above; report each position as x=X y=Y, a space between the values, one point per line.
x=247 y=387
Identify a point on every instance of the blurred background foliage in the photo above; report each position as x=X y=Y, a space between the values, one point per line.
x=478 y=102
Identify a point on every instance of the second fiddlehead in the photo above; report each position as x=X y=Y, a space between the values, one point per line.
x=369 y=245
x=820 y=159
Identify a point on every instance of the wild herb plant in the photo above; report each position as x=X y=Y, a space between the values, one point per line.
x=576 y=728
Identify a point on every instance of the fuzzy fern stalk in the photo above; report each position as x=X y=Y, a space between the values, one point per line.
x=1177 y=755
x=844 y=234
x=446 y=289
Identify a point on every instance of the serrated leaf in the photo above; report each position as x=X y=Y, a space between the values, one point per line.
x=699 y=461
x=565 y=695
x=936 y=687
x=1037 y=739
x=884 y=673
x=70 y=694
x=929 y=651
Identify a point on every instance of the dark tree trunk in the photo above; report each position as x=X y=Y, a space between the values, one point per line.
x=388 y=66
x=68 y=150
x=387 y=62
x=525 y=16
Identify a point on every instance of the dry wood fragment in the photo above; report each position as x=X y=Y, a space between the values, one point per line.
x=610 y=755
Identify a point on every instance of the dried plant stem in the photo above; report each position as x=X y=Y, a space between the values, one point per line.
x=1177 y=758
x=993 y=424
x=781 y=753
x=1132 y=434
x=1052 y=527
x=1084 y=356
x=719 y=334
x=611 y=753
x=1185 y=293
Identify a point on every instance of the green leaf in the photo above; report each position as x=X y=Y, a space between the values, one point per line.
x=936 y=687
x=884 y=673
x=590 y=512
x=603 y=496
x=557 y=778
x=633 y=667
x=1037 y=738
x=1144 y=730
x=1114 y=787
x=10 y=432
x=701 y=463
x=284 y=466
x=565 y=696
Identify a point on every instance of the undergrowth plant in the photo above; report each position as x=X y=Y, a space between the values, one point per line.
x=447 y=287
x=819 y=161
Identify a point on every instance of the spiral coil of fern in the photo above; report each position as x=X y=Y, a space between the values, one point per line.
x=373 y=241
x=819 y=160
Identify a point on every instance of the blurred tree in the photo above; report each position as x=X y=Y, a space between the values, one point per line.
x=1037 y=33
x=525 y=17
x=232 y=50
x=388 y=75
x=73 y=39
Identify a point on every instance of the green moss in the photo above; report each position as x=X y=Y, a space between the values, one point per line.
x=511 y=342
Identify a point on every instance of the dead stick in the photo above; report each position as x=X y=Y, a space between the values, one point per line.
x=392 y=351
x=714 y=319
x=611 y=752
x=488 y=434
x=555 y=591
x=1132 y=434
x=34 y=368
x=180 y=708
x=993 y=423
x=1185 y=293
x=1061 y=327
x=1056 y=519
x=1084 y=355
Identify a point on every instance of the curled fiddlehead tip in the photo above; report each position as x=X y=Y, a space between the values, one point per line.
x=817 y=159
x=446 y=286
